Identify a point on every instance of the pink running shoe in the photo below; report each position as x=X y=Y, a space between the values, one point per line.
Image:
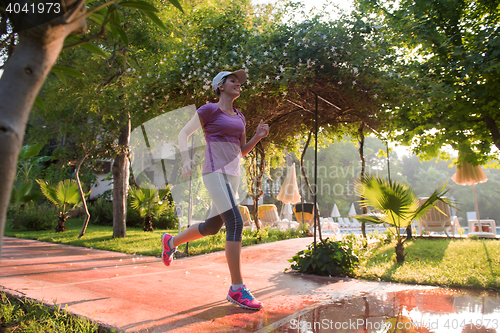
x=168 y=253
x=244 y=298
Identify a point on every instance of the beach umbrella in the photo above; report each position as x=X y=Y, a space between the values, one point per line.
x=468 y=174
x=287 y=212
x=289 y=192
x=352 y=212
x=335 y=212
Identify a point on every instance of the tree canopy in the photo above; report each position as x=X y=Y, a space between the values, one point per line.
x=450 y=63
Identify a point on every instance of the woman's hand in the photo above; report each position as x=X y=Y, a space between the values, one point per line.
x=187 y=171
x=262 y=130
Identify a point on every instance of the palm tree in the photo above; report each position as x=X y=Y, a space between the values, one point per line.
x=394 y=203
x=64 y=195
x=150 y=202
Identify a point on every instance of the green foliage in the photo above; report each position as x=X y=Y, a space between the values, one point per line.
x=101 y=212
x=167 y=220
x=65 y=195
x=55 y=172
x=108 y=18
x=134 y=218
x=24 y=192
x=149 y=201
x=33 y=217
x=394 y=203
x=31 y=316
x=449 y=74
x=335 y=258
x=27 y=160
x=267 y=234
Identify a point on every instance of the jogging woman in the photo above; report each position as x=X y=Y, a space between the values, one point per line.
x=224 y=128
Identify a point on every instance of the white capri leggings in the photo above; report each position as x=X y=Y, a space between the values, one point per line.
x=222 y=188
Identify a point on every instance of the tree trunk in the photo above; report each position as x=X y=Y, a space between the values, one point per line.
x=493 y=127
x=87 y=214
x=23 y=76
x=148 y=223
x=409 y=232
x=120 y=182
x=60 y=223
x=400 y=252
x=363 y=165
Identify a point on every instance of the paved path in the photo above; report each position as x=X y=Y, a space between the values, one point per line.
x=139 y=294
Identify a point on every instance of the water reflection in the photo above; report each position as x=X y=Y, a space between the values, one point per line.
x=434 y=310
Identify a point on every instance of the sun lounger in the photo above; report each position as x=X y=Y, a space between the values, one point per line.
x=436 y=221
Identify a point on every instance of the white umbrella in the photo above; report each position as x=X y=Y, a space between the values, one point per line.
x=352 y=212
x=335 y=212
x=288 y=212
x=289 y=192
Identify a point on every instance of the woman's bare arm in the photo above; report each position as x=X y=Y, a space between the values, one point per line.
x=192 y=126
x=262 y=131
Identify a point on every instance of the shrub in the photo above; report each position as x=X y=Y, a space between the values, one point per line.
x=34 y=217
x=101 y=212
x=335 y=258
x=134 y=218
x=167 y=220
x=276 y=234
x=272 y=235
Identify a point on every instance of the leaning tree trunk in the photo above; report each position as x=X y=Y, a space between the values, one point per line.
x=82 y=195
x=120 y=182
x=40 y=42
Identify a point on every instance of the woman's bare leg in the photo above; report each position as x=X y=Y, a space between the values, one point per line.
x=233 y=251
x=187 y=235
x=233 y=255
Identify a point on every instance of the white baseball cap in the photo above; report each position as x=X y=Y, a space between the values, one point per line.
x=240 y=75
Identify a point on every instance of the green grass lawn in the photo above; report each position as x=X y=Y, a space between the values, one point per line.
x=140 y=242
x=464 y=263
x=18 y=315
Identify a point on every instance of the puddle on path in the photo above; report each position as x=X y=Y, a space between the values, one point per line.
x=434 y=310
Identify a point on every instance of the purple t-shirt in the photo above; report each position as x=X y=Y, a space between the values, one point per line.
x=224 y=134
